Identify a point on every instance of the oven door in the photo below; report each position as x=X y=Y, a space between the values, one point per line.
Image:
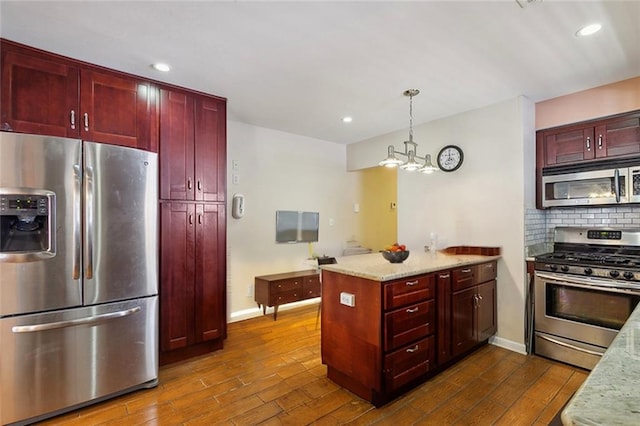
x=577 y=318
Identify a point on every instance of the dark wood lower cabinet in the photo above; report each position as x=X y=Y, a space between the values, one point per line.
x=192 y=275
x=398 y=333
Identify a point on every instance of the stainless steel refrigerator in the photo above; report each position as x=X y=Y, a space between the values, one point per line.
x=78 y=274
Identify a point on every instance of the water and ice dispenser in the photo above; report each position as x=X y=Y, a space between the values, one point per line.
x=27 y=224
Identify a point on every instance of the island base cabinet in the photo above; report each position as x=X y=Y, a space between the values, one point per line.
x=381 y=338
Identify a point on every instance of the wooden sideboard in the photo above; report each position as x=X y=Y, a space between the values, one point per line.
x=279 y=289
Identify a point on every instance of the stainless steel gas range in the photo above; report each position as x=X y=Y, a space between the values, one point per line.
x=584 y=291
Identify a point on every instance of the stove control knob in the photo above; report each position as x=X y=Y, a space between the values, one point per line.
x=564 y=268
x=588 y=271
x=628 y=275
x=553 y=267
x=614 y=273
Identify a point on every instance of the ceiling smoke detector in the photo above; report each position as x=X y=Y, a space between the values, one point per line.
x=525 y=3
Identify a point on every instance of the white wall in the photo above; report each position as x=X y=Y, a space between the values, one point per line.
x=281 y=171
x=482 y=203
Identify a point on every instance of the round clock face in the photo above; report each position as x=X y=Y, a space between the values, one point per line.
x=450 y=158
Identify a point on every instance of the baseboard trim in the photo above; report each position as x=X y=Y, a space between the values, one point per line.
x=508 y=344
x=257 y=312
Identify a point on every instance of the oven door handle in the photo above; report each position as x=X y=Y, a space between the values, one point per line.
x=590 y=283
x=567 y=345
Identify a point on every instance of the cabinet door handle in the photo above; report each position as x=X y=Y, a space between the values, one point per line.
x=190 y=219
x=86 y=122
x=412 y=283
x=599 y=141
x=73 y=119
x=489 y=266
x=466 y=271
x=199 y=186
x=444 y=276
x=413 y=349
x=200 y=219
x=588 y=143
x=413 y=310
x=189 y=185
x=475 y=300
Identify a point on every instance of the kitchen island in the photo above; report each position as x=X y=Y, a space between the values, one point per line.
x=609 y=395
x=386 y=327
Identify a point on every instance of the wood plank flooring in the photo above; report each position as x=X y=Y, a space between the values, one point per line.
x=270 y=373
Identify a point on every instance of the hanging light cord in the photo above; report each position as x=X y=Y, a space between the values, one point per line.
x=411 y=117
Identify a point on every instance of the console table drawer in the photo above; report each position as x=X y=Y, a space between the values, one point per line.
x=287 y=297
x=285 y=286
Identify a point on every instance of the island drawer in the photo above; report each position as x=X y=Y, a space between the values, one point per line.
x=409 y=290
x=463 y=278
x=472 y=275
x=486 y=272
x=408 y=324
x=409 y=363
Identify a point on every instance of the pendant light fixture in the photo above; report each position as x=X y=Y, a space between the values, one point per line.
x=409 y=147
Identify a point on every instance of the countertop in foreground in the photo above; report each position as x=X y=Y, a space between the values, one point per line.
x=374 y=267
x=609 y=395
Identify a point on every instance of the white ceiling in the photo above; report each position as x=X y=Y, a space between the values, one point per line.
x=301 y=66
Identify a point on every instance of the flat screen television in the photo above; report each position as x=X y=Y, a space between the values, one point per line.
x=297 y=227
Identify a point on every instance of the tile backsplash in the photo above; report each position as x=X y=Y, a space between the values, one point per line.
x=539 y=224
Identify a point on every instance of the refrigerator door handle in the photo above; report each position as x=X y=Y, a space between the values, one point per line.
x=70 y=323
x=89 y=221
x=77 y=229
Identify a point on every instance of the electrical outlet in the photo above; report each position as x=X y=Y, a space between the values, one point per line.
x=250 y=290
x=348 y=299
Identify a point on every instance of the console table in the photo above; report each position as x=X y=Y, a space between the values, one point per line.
x=279 y=289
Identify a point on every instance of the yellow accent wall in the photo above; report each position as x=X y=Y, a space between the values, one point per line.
x=378 y=189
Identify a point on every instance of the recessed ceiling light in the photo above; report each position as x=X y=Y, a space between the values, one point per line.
x=588 y=30
x=347 y=119
x=161 y=67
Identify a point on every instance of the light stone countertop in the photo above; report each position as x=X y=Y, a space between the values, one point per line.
x=375 y=267
x=610 y=395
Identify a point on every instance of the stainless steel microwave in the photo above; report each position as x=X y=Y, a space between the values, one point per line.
x=591 y=184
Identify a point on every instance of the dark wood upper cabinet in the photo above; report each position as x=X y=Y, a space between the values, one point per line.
x=618 y=137
x=52 y=95
x=117 y=110
x=609 y=137
x=38 y=95
x=193 y=147
x=176 y=145
x=614 y=137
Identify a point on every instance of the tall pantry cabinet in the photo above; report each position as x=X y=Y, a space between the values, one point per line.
x=192 y=224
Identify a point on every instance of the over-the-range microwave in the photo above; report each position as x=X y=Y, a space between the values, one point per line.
x=598 y=183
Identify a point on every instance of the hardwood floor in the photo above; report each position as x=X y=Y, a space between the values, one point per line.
x=270 y=373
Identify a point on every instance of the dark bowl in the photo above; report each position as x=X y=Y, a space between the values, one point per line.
x=395 y=256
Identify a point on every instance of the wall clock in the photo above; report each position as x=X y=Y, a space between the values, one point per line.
x=450 y=158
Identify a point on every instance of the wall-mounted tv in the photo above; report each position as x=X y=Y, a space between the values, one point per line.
x=297 y=227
